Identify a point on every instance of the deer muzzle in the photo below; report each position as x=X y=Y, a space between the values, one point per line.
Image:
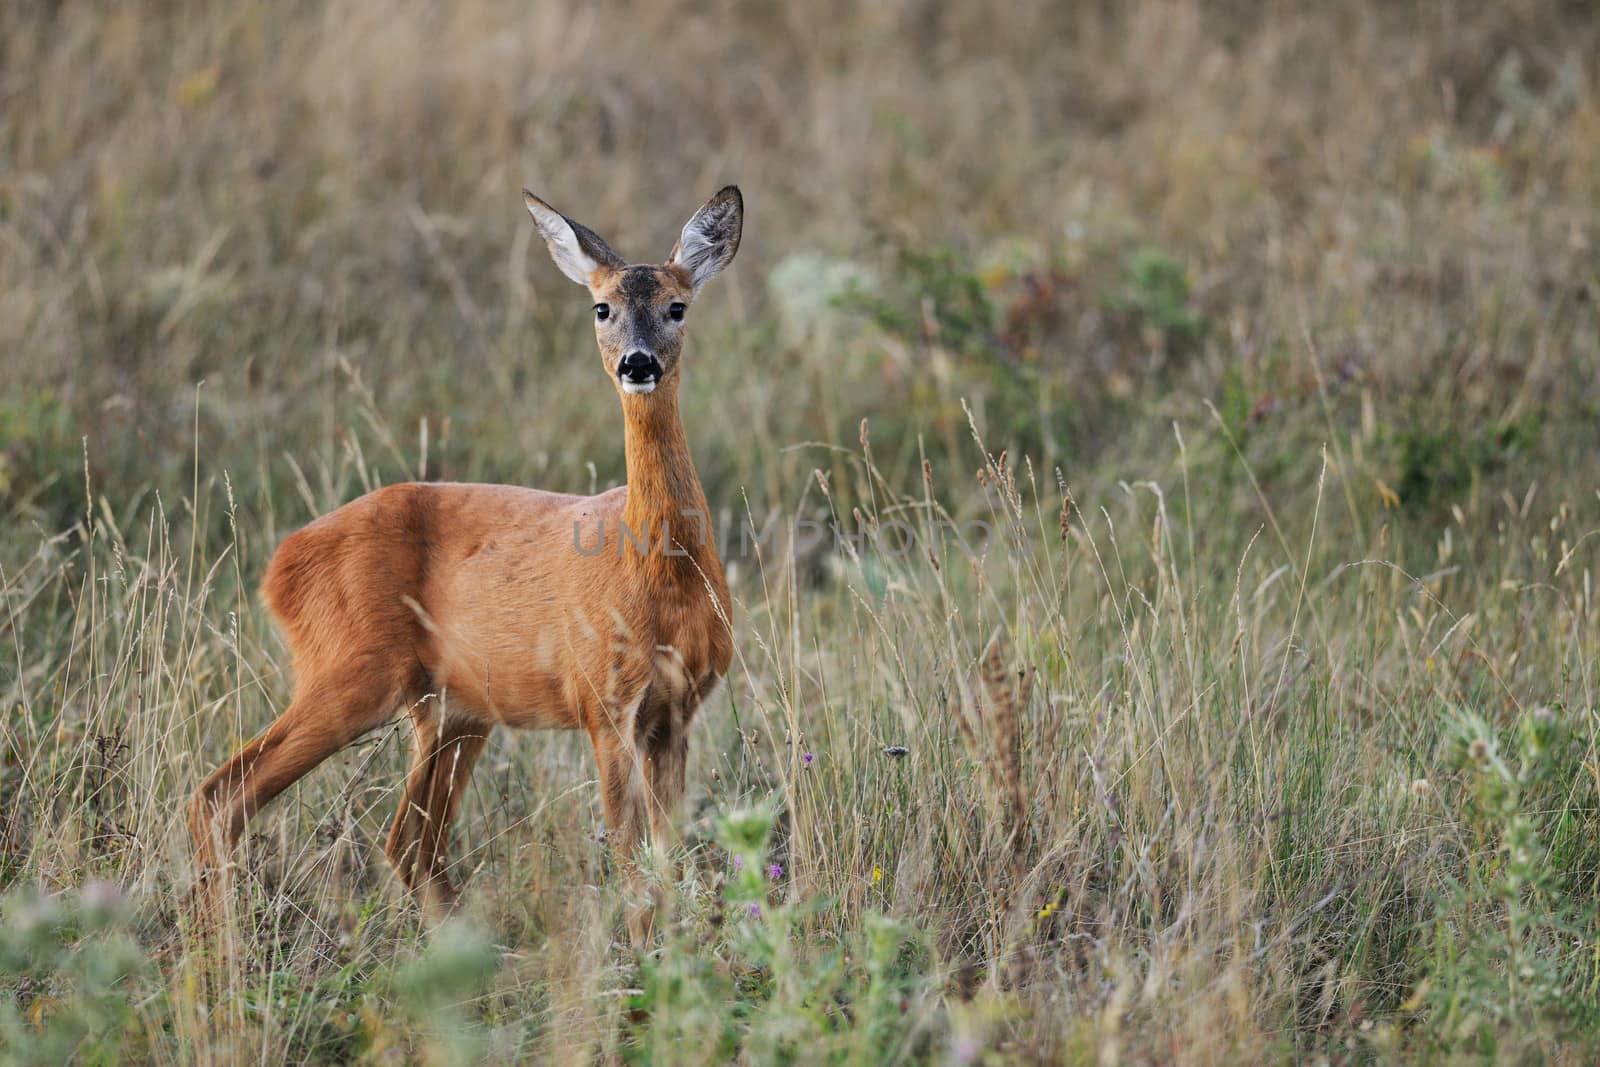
x=638 y=371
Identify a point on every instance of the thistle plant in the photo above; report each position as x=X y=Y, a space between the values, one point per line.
x=66 y=962
x=1508 y=992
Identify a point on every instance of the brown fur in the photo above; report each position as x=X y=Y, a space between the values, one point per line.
x=474 y=606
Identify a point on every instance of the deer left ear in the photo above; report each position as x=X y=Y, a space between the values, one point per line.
x=711 y=237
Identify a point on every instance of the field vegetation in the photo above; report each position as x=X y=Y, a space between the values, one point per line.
x=1206 y=397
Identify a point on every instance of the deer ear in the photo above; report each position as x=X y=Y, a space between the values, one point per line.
x=710 y=239
x=577 y=250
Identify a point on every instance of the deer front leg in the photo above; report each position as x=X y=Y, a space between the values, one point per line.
x=666 y=762
x=622 y=795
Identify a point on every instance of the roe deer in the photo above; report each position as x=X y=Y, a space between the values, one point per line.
x=484 y=605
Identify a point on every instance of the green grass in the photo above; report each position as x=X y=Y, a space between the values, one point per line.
x=1266 y=345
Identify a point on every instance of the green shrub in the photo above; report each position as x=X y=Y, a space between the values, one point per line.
x=67 y=965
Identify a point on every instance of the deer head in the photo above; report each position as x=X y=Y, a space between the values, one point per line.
x=640 y=309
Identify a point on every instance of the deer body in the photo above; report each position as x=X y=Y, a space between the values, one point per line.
x=481 y=605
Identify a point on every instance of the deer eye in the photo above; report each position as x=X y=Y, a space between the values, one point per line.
x=675 y=311
x=602 y=312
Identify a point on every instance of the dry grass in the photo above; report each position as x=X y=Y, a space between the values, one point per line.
x=1262 y=343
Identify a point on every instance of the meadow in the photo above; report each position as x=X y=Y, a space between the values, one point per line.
x=1155 y=446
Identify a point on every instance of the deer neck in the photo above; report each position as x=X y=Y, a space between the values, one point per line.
x=665 y=499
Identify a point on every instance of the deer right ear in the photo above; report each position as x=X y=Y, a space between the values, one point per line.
x=577 y=250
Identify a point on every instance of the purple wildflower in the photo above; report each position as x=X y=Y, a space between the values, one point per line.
x=755 y=911
x=807 y=758
x=738 y=863
x=775 y=872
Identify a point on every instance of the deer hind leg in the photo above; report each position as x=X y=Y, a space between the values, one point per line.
x=459 y=748
x=407 y=829
x=447 y=747
x=324 y=716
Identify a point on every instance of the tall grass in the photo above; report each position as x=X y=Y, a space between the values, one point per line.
x=1153 y=446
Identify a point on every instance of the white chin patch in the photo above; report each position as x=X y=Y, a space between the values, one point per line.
x=636 y=388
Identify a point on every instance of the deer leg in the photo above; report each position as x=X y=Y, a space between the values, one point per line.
x=666 y=761
x=322 y=719
x=622 y=795
x=407 y=829
x=461 y=741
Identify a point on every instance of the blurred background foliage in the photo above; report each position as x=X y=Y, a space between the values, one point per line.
x=1076 y=214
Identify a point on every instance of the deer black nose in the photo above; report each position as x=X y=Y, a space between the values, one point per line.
x=639 y=368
